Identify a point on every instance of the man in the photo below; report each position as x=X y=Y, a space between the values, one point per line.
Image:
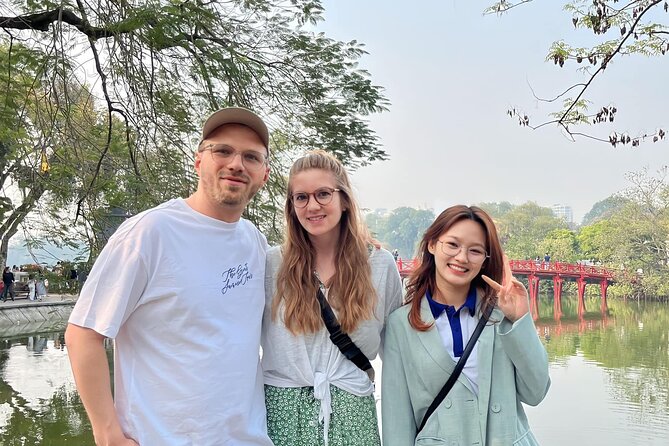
x=8 y=281
x=180 y=289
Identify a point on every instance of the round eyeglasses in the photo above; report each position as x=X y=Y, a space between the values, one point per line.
x=223 y=153
x=475 y=254
x=323 y=196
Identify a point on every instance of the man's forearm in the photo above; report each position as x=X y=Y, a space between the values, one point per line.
x=88 y=358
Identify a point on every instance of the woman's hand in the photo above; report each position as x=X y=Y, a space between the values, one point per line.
x=511 y=294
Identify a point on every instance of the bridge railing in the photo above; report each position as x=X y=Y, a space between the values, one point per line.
x=406 y=266
x=568 y=269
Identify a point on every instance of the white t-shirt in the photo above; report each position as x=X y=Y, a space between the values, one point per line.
x=183 y=295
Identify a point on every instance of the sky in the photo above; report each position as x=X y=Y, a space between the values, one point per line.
x=451 y=73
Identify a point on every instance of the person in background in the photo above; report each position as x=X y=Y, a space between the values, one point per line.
x=41 y=287
x=315 y=395
x=32 y=294
x=456 y=284
x=72 y=279
x=8 y=281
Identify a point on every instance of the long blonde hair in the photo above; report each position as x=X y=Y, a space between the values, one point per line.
x=350 y=293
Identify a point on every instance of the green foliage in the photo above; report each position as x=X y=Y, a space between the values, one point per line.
x=595 y=242
x=402 y=229
x=561 y=244
x=496 y=210
x=603 y=209
x=522 y=230
x=159 y=68
x=634 y=238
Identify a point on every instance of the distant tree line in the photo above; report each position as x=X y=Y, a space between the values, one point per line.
x=400 y=229
x=628 y=232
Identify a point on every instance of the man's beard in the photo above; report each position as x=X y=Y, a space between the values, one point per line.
x=232 y=196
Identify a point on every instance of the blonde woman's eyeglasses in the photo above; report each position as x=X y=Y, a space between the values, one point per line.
x=323 y=196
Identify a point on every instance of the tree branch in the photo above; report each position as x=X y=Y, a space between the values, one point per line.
x=556 y=97
x=503 y=6
x=607 y=60
x=42 y=20
x=110 y=110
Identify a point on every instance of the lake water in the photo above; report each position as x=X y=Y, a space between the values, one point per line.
x=610 y=381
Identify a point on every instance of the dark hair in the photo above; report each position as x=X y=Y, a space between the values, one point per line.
x=423 y=278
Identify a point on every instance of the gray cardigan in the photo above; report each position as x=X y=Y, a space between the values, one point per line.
x=291 y=361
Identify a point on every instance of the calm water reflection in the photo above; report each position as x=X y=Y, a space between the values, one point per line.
x=610 y=382
x=610 y=376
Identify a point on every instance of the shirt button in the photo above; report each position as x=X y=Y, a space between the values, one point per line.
x=447 y=403
x=496 y=408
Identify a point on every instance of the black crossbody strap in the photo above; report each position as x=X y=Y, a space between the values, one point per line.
x=457 y=370
x=341 y=339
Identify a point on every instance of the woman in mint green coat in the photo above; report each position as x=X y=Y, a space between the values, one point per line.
x=457 y=282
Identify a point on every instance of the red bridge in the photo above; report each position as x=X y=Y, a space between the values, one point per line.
x=557 y=271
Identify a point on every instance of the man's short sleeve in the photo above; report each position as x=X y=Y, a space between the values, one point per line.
x=113 y=288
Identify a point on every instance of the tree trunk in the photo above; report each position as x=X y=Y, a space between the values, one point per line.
x=10 y=224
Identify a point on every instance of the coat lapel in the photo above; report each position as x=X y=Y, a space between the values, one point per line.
x=432 y=341
x=434 y=346
x=484 y=355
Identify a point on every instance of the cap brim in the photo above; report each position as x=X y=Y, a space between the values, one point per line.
x=236 y=115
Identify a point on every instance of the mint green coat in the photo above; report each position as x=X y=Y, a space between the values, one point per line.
x=513 y=369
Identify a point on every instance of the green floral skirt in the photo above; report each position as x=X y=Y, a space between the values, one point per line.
x=292 y=418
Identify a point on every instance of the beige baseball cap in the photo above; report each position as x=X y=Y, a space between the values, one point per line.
x=236 y=115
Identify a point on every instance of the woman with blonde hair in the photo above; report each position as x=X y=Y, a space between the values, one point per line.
x=453 y=296
x=315 y=394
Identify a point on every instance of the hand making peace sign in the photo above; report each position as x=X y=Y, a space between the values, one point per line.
x=511 y=294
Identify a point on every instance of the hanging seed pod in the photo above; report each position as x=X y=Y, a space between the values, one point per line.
x=613 y=139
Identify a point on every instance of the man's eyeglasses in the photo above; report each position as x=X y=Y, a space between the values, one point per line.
x=223 y=153
x=323 y=196
x=475 y=254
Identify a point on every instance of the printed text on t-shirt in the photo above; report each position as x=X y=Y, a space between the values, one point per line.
x=236 y=276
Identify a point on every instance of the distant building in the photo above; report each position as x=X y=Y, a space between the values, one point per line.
x=564 y=212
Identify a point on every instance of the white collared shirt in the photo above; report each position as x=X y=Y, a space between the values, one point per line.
x=468 y=325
